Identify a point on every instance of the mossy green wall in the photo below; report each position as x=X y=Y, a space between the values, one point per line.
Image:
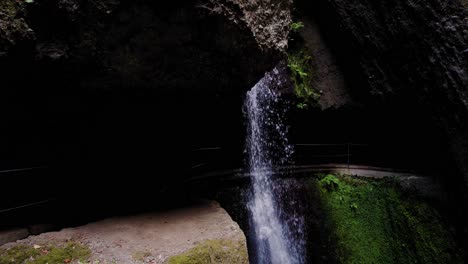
x=374 y=222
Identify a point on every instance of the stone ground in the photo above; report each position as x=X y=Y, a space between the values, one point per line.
x=146 y=238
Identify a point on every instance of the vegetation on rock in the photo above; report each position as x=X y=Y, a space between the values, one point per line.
x=374 y=222
x=25 y=254
x=214 y=251
x=296 y=26
x=330 y=183
x=299 y=63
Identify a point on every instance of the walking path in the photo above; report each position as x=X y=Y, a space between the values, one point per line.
x=146 y=238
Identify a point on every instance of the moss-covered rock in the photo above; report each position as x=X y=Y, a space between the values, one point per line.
x=25 y=254
x=214 y=251
x=330 y=183
x=374 y=222
x=299 y=63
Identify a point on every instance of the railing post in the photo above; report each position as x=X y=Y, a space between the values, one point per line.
x=348 y=154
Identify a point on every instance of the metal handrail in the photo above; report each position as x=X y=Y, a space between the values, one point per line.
x=26 y=205
x=347 y=145
x=206 y=148
x=29 y=204
x=332 y=144
x=22 y=169
x=348 y=154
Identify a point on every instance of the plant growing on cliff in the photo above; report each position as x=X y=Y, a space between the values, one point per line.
x=296 y=26
x=330 y=183
x=299 y=63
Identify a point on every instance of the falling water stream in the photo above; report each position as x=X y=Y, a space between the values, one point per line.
x=267 y=147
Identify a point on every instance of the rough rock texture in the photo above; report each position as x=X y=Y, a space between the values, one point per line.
x=91 y=84
x=148 y=238
x=413 y=52
x=328 y=79
x=268 y=20
x=14 y=31
x=105 y=44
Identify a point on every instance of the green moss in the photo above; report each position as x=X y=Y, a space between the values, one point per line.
x=214 y=251
x=18 y=254
x=141 y=255
x=373 y=222
x=296 y=26
x=22 y=254
x=330 y=183
x=299 y=63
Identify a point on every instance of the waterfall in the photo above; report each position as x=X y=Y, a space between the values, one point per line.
x=267 y=147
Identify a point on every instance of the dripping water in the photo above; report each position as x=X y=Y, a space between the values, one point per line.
x=276 y=232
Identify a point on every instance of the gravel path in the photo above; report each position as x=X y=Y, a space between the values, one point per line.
x=147 y=238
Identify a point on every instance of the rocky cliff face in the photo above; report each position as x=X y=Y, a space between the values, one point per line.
x=109 y=86
x=14 y=30
x=411 y=53
x=128 y=44
x=80 y=76
x=269 y=21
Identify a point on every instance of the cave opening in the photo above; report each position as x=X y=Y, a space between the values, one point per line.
x=127 y=107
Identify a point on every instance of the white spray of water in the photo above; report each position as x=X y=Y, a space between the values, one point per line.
x=267 y=146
